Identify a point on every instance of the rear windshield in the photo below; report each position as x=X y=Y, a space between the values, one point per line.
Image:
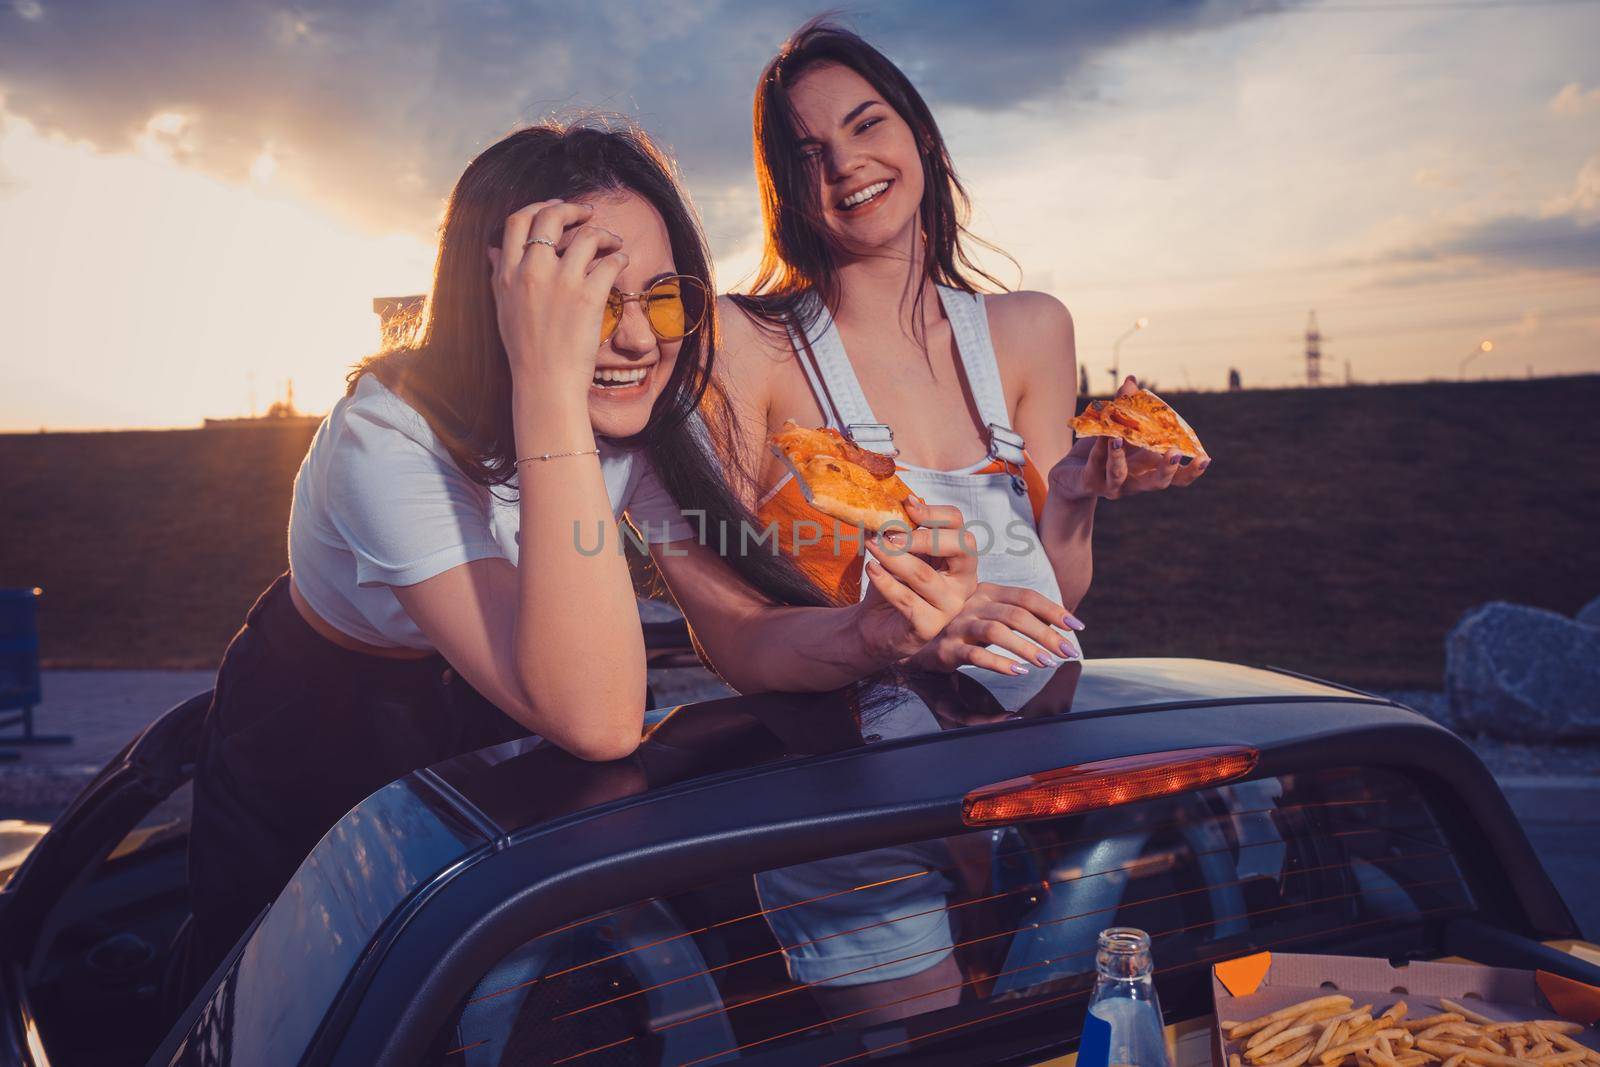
x=974 y=946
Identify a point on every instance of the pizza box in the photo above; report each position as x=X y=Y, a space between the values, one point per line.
x=1257 y=985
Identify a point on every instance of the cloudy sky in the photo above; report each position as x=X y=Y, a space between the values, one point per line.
x=199 y=199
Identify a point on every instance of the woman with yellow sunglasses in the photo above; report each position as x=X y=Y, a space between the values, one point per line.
x=455 y=574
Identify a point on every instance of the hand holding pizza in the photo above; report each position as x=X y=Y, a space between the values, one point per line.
x=923 y=566
x=1099 y=464
x=919 y=580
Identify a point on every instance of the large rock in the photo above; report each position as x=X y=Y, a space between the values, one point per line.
x=1523 y=674
x=1589 y=614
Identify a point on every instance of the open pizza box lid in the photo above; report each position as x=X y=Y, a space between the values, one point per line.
x=1253 y=986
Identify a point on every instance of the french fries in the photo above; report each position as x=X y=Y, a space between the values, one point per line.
x=1432 y=1020
x=1331 y=1031
x=1466 y=1013
x=1238 y=1030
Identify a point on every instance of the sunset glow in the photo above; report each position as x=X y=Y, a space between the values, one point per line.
x=1421 y=178
x=154 y=295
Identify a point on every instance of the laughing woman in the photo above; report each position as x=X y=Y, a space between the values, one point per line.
x=866 y=317
x=444 y=591
x=864 y=251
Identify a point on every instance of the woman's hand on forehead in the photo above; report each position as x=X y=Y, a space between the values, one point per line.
x=572 y=230
x=642 y=231
x=625 y=280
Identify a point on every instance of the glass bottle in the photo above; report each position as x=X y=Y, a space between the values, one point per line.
x=1123 y=1027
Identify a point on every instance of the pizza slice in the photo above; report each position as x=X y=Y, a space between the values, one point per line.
x=1142 y=419
x=843 y=480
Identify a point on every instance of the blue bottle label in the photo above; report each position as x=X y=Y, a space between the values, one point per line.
x=1094 y=1048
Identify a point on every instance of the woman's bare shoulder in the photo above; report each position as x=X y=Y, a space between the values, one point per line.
x=750 y=352
x=1030 y=327
x=1028 y=309
x=744 y=334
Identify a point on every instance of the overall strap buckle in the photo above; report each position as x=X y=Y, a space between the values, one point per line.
x=872 y=436
x=1006 y=445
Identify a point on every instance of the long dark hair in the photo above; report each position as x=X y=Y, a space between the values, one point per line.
x=448 y=360
x=800 y=257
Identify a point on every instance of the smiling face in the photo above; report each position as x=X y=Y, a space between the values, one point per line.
x=634 y=366
x=864 y=158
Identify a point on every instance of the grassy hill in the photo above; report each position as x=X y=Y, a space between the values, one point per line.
x=1339 y=532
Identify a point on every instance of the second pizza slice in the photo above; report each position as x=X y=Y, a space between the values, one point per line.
x=1142 y=419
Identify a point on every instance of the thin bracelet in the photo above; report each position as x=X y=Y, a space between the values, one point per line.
x=558 y=455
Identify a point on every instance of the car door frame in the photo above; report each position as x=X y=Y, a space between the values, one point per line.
x=146 y=772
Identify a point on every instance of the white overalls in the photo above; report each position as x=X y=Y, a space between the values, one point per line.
x=893 y=923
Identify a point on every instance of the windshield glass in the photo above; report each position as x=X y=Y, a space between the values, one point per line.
x=983 y=940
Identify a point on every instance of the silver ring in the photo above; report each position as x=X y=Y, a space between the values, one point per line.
x=530 y=242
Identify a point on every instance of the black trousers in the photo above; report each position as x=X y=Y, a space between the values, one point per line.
x=299 y=732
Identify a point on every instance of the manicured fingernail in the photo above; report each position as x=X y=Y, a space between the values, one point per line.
x=1017 y=668
x=1068 y=651
x=1045 y=659
x=1116 y=442
x=1175 y=460
x=873 y=565
x=1071 y=622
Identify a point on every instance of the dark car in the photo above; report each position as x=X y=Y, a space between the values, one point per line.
x=899 y=872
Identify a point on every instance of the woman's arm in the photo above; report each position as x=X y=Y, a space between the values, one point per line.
x=555 y=640
x=1036 y=329
x=1083 y=471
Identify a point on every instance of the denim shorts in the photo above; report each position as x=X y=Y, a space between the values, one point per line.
x=866 y=917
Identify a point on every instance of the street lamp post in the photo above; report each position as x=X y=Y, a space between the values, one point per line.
x=1116 y=352
x=1478 y=350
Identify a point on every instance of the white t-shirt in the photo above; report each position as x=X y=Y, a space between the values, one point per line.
x=379 y=502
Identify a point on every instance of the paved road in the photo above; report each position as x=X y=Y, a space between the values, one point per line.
x=104 y=709
x=1562 y=817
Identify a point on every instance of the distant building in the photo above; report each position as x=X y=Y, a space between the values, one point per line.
x=279 y=413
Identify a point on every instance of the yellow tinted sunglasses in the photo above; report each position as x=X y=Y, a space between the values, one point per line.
x=673 y=306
